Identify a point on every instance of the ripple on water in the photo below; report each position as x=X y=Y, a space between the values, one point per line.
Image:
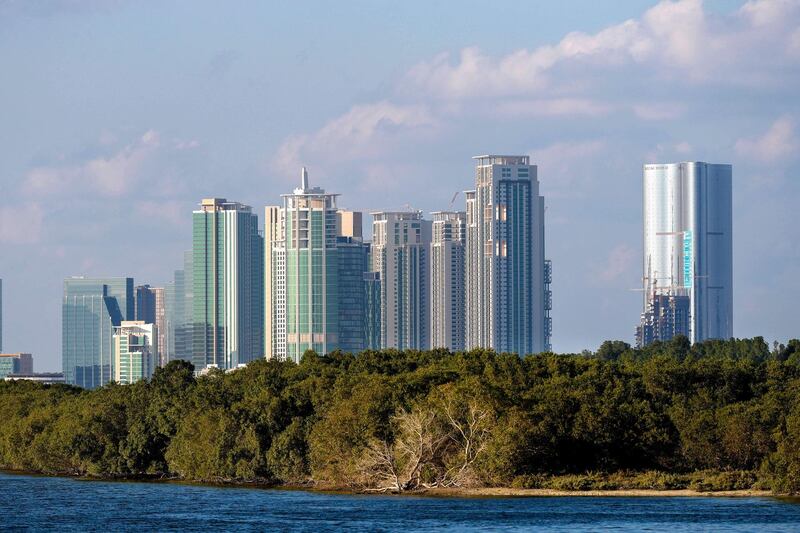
x=34 y=502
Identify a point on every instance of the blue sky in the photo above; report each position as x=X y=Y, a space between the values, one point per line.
x=117 y=117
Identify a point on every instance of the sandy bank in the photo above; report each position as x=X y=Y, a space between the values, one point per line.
x=507 y=491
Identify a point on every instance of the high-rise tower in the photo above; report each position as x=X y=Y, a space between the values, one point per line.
x=314 y=286
x=90 y=310
x=305 y=273
x=507 y=277
x=688 y=251
x=447 y=280
x=227 y=276
x=401 y=257
x=180 y=310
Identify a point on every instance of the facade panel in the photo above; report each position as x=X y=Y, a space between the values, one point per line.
x=688 y=246
x=90 y=310
x=227 y=278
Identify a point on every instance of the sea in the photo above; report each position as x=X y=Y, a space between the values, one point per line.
x=33 y=503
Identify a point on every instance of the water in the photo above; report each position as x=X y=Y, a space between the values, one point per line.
x=31 y=502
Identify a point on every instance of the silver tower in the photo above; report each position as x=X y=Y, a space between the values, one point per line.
x=507 y=276
x=687 y=250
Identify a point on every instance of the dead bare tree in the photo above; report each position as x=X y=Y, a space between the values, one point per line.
x=471 y=428
x=435 y=445
x=398 y=467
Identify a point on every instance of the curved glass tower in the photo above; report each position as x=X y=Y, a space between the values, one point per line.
x=687 y=251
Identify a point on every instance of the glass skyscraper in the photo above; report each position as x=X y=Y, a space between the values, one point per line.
x=315 y=286
x=145 y=304
x=181 y=311
x=227 y=281
x=507 y=276
x=90 y=310
x=688 y=253
x=353 y=263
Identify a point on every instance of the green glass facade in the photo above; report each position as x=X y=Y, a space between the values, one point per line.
x=227 y=272
x=317 y=296
x=311 y=273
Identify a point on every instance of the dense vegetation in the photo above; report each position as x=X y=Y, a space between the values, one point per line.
x=716 y=415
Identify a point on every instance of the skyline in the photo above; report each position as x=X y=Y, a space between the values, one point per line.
x=75 y=177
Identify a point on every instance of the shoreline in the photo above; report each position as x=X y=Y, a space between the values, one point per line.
x=552 y=493
x=473 y=492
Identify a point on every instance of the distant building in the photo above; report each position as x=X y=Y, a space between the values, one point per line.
x=401 y=256
x=372 y=307
x=688 y=249
x=46 y=378
x=349 y=223
x=506 y=272
x=145 y=303
x=314 y=283
x=448 y=320
x=180 y=311
x=353 y=263
x=151 y=309
x=274 y=307
x=227 y=277
x=135 y=355
x=667 y=316
x=167 y=349
x=161 y=324
x=90 y=310
x=15 y=363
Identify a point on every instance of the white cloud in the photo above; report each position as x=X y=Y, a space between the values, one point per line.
x=667 y=54
x=678 y=31
x=21 y=224
x=110 y=175
x=777 y=143
x=672 y=38
x=364 y=131
x=769 y=12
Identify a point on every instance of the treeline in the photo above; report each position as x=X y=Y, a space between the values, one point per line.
x=716 y=415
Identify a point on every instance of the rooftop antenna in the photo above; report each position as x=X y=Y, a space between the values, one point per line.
x=304 y=179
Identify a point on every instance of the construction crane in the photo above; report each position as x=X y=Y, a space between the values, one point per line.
x=454 y=199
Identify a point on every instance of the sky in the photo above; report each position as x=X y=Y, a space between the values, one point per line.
x=117 y=117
